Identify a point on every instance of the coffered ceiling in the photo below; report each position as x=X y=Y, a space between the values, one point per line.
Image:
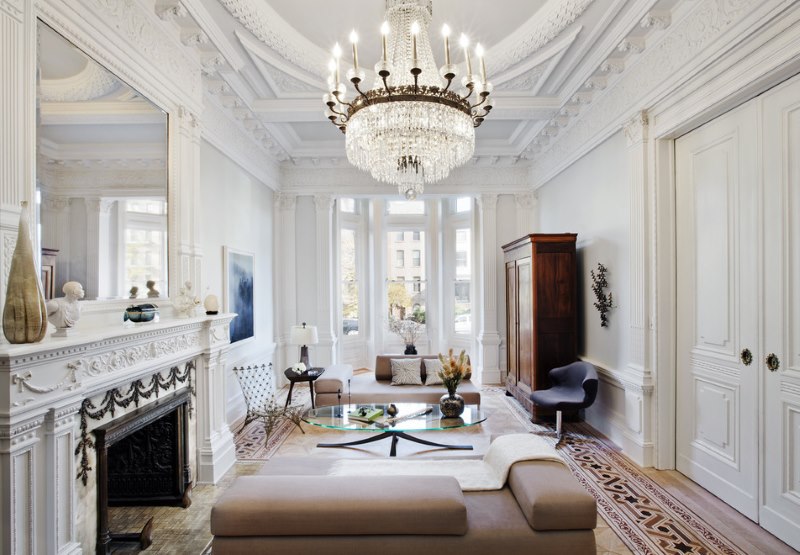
x=265 y=63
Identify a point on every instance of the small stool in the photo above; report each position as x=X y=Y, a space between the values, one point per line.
x=309 y=376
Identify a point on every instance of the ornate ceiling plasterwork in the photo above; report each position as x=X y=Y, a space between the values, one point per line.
x=545 y=25
x=264 y=22
x=90 y=83
x=656 y=67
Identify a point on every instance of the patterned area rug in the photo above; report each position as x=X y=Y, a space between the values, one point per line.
x=647 y=518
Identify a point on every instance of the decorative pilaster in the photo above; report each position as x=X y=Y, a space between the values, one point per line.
x=284 y=238
x=184 y=201
x=100 y=273
x=20 y=449
x=638 y=381
x=636 y=133
x=325 y=349
x=60 y=440
x=216 y=452
x=488 y=336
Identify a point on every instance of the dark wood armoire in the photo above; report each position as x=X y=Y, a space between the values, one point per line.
x=541 y=311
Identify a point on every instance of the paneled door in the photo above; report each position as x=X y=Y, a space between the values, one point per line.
x=780 y=513
x=738 y=279
x=717 y=441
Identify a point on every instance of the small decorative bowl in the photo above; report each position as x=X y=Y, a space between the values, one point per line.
x=140 y=314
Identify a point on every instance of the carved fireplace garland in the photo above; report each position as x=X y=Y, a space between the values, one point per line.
x=115 y=398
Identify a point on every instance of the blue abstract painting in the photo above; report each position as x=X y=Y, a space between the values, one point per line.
x=239 y=294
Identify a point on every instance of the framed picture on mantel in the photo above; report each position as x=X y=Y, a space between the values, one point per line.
x=239 y=292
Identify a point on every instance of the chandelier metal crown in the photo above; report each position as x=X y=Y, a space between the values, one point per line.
x=410 y=128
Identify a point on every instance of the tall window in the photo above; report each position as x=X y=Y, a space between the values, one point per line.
x=350 y=308
x=406 y=297
x=463 y=280
x=399 y=258
x=145 y=241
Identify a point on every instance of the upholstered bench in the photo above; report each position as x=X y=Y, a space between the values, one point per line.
x=332 y=387
x=294 y=508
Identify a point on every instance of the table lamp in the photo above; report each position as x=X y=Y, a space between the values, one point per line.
x=304 y=336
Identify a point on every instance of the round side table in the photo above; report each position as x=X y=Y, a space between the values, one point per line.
x=309 y=376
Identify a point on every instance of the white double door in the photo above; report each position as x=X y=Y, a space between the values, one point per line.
x=738 y=313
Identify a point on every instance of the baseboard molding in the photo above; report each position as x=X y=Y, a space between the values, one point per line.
x=613 y=427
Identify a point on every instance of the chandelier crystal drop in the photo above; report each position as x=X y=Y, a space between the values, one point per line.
x=411 y=127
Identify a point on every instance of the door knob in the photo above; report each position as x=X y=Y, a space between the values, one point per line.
x=746 y=357
x=773 y=362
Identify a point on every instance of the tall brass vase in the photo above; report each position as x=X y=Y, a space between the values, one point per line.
x=24 y=314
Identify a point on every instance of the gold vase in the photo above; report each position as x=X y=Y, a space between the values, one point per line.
x=24 y=314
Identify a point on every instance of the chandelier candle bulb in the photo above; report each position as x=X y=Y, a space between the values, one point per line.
x=337 y=54
x=446 y=35
x=354 y=42
x=479 y=53
x=464 y=41
x=384 y=32
x=414 y=33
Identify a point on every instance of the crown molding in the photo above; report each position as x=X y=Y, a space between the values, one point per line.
x=270 y=28
x=225 y=134
x=701 y=37
x=215 y=34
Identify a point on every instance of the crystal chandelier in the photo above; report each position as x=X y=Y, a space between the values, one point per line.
x=410 y=128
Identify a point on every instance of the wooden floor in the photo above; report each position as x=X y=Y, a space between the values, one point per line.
x=742 y=531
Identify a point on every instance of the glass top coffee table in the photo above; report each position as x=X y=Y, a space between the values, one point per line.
x=410 y=417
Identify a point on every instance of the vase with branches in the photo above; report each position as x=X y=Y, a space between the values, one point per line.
x=409 y=330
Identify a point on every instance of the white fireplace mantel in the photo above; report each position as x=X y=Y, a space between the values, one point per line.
x=42 y=387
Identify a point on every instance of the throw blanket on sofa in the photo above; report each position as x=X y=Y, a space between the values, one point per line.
x=473 y=475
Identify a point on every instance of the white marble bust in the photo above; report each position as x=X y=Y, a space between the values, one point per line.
x=65 y=311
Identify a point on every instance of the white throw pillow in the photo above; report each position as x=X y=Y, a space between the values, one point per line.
x=406 y=371
x=432 y=368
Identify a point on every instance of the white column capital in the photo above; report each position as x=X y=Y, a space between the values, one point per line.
x=323 y=203
x=286 y=201
x=487 y=201
x=526 y=201
x=636 y=129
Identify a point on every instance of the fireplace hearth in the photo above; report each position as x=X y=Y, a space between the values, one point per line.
x=142 y=459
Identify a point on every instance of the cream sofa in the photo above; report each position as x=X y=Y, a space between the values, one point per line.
x=332 y=387
x=293 y=508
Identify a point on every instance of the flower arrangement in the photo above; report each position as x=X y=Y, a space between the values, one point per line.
x=409 y=330
x=298 y=367
x=454 y=370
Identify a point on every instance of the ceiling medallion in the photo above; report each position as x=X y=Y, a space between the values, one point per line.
x=410 y=128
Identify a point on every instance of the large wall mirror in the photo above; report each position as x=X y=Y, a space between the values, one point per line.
x=101 y=178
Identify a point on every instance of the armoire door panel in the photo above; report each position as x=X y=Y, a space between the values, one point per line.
x=780 y=114
x=554 y=285
x=511 y=322
x=526 y=342
x=717 y=313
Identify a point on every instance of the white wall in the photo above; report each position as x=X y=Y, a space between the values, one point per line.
x=591 y=198
x=237 y=212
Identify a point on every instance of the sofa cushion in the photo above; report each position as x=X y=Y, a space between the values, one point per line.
x=550 y=497
x=432 y=369
x=366 y=389
x=383 y=365
x=339 y=506
x=406 y=371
